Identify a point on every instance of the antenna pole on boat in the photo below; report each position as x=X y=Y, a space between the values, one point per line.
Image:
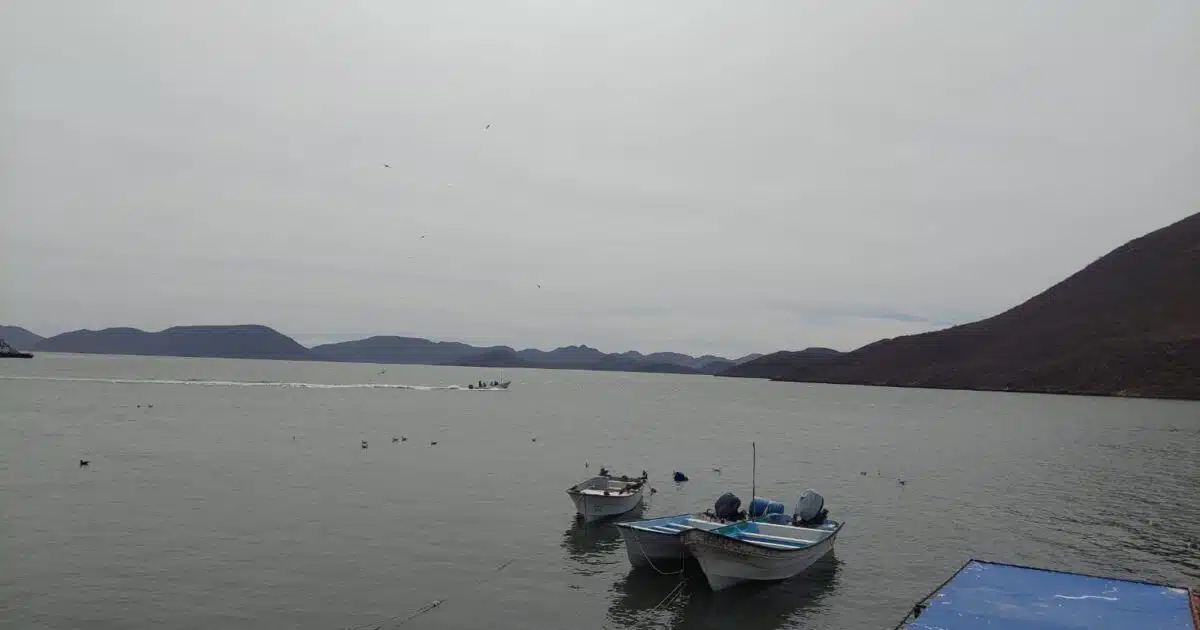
x=753 y=471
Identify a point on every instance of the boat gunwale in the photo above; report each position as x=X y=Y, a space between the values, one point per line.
x=775 y=547
x=638 y=525
x=632 y=487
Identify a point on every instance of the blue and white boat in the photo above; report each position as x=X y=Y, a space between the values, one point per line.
x=764 y=550
x=660 y=539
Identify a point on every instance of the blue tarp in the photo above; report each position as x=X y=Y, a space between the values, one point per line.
x=1005 y=597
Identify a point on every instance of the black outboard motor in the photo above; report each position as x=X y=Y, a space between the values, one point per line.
x=728 y=507
x=810 y=509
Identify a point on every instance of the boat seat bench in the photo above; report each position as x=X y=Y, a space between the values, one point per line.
x=772 y=545
x=794 y=542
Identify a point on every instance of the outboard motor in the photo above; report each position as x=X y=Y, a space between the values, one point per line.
x=728 y=507
x=810 y=509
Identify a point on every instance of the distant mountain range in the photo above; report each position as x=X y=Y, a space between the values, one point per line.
x=261 y=342
x=426 y=352
x=1126 y=325
x=234 y=342
x=770 y=365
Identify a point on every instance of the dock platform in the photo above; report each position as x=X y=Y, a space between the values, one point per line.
x=1009 y=597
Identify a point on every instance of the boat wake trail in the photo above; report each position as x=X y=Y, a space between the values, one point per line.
x=211 y=383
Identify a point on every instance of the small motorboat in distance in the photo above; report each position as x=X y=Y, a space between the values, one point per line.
x=604 y=496
x=490 y=386
x=9 y=352
x=764 y=550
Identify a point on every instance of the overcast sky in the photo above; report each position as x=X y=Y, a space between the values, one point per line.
x=701 y=176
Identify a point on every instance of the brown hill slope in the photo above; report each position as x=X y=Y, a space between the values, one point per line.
x=1127 y=324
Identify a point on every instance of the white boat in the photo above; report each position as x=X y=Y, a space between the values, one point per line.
x=660 y=539
x=763 y=551
x=605 y=496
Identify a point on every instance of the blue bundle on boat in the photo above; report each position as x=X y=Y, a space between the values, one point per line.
x=760 y=507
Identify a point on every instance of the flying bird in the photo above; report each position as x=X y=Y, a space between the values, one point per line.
x=487 y=127
x=84 y=462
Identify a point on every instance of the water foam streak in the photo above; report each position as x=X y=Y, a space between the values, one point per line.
x=213 y=383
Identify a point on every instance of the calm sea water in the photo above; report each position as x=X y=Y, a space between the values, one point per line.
x=203 y=511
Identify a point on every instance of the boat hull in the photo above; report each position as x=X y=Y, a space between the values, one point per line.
x=591 y=507
x=647 y=548
x=728 y=561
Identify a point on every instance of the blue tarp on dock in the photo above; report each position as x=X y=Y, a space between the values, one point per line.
x=1006 y=597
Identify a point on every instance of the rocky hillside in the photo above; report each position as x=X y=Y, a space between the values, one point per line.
x=1127 y=325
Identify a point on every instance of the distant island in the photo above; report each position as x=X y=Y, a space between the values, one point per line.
x=231 y=342
x=1126 y=325
x=261 y=342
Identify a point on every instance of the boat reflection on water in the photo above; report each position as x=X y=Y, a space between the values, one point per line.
x=759 y=605
x=597 y=543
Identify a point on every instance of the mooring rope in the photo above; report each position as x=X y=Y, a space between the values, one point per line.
x=675 y=591
x=400 y=620
x=642 y=551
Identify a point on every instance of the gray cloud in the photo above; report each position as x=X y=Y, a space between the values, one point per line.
x=668 y=172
